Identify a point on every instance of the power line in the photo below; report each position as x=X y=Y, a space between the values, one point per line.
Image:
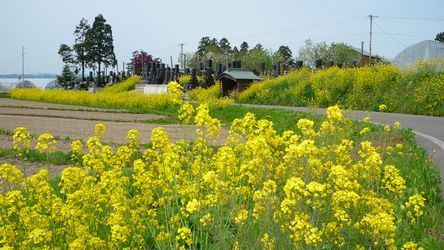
x=406 y=35
x=330 y=23
x=392 y=37
x=318 y=39
x=413 y=18
x=39 y=51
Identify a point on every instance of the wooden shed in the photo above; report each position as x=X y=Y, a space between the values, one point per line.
x=236 y=80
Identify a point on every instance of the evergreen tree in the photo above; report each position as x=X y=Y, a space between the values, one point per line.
x=99 y=46
x=286 y=52
x=258 y=47
x=203 y=44
x=235 y=51
x=244 y=47
x=80 y=45
x=440 y=37
x=66 y=52
x=224 y=45
x=67 y=75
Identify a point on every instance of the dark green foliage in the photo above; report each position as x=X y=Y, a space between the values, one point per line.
x=258 y=47
x=99 y=44
x=66 y=53
x=224 y=45
x=440 y=37
x=80 y=45
x=244 y=47
x=285 y=52
x=67 y=75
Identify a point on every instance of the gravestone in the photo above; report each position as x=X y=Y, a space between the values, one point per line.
x=234 y=64
x=167 y=75
x=318 y=64
x=262 y=68
x=219 y=69
x=162 y=73
x=209 y=80
x=277 y=69
x=176 y=72
x=193 y=80
x=150 y=76
x=299 y=64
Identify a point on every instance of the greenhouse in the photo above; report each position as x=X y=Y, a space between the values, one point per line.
x=421 y=51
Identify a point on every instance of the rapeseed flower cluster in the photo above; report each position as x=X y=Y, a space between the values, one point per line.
x=378 y=88
x=21 y=140
x=311 y=188
x=46 y=141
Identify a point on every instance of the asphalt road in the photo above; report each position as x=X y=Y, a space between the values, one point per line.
x=429 y=130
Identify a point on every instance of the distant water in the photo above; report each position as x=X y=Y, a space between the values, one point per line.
x=11 y=82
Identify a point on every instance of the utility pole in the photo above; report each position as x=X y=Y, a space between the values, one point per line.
x=23 y=63
x=181 y=55
x=362 y=54
x=370 y=42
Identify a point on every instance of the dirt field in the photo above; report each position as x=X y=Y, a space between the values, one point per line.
x=8 y=102
x=92 y=115
x=38 y=119
x=71 y=124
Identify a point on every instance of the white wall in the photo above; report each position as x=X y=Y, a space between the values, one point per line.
x=153 y=88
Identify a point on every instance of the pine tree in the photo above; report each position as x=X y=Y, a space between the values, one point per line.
x=244 y=47
x=67 y=75
x=80 y=45
x=99 y=45
x=440 y=37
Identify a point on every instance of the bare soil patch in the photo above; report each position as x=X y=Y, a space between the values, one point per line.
x=8 y=102
x=96 y=115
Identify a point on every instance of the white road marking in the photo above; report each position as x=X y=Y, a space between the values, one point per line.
x=431 y=138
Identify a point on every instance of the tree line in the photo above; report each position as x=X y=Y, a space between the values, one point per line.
x=221 y=51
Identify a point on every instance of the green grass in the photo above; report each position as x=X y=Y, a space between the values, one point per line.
x=4 y=94
x=6 y=132
x=55 y=158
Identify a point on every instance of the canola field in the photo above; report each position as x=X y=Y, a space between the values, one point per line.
x=419 y=91
x=320 y=186
x=312 y=188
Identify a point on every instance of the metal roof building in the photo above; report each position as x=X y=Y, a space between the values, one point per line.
x=236 y=80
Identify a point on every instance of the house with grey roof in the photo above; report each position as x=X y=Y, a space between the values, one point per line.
x=235 y=79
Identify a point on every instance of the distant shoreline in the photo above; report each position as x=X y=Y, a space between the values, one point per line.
x=28 y=76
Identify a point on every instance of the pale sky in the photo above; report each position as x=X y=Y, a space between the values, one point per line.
x=159 y=26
